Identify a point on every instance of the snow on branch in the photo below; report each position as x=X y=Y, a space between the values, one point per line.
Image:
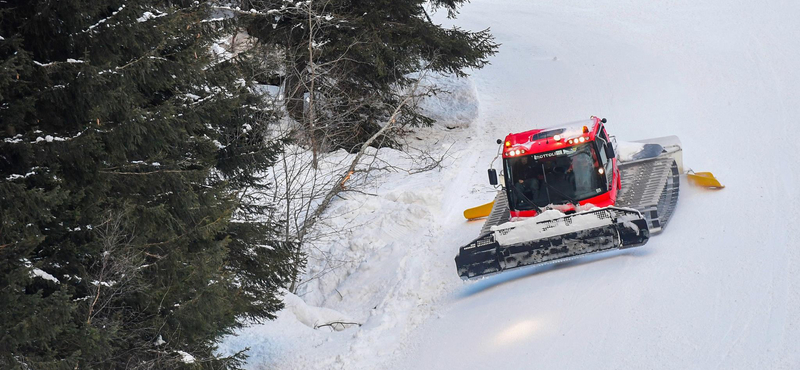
x=150 y=15
x=186 y=357
x=15 y=176
x=68 y=61
x=37 y=272
x=104 y=20
x=47 y=138
x=239 y=10
x=13 y=140
x=50 y=138
x=41 y=274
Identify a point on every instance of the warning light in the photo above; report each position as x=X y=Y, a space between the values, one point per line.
x=508 y=143
x=585 y=130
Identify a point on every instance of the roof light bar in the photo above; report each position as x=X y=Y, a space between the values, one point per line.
x=577 y=140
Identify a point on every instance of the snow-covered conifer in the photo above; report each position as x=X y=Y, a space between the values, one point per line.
x=127 y=146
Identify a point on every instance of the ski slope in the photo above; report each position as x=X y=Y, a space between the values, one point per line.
x=718 y=289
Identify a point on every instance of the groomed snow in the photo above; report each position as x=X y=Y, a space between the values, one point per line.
x=719 y=288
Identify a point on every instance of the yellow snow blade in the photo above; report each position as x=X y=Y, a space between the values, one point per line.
x=705 y=179
x=479 y=211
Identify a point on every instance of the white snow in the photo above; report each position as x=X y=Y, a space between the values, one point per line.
x=185 y=357
x=17 y=176
x=149 y=15
x=719 y=288
x=455 y=103
x=106 y=284
x=315 y=317
x=626 y=150
x=530 y=228
x=13 y=140
x=51 y=138
x=104 y=20
x=44 y=275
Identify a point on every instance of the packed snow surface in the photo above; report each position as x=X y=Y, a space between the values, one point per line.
x=718 y=289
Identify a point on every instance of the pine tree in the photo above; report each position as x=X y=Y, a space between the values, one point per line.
x=128 y=155
x=358 y=57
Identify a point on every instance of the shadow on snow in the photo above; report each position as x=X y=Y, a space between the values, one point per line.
x=509 y=276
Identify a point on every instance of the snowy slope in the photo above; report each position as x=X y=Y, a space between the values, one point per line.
x=720 y=288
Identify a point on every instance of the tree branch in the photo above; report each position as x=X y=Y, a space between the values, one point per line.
x=339 y=185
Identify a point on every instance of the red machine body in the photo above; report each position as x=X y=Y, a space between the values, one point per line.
x=546 y=144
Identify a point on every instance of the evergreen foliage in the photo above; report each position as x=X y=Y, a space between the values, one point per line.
x=127 y=150
x=357 y=57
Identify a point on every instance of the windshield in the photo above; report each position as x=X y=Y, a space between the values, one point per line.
x=558 y=177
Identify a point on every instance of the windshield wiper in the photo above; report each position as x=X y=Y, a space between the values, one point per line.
x=524 y=198
x=553 y=188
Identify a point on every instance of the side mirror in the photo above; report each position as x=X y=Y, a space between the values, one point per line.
x=499 y=141
x=492 y=176
x=610 y=151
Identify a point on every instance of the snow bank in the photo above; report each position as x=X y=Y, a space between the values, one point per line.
x=454 y=105
x=368 y=262
x=316 y=317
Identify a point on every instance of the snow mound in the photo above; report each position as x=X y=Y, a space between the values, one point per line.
x=316 y=317
x=455 y=102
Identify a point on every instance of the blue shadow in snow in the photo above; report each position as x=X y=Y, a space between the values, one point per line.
x=508 y=276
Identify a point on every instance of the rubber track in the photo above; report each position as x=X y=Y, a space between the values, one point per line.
x=500 y=213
